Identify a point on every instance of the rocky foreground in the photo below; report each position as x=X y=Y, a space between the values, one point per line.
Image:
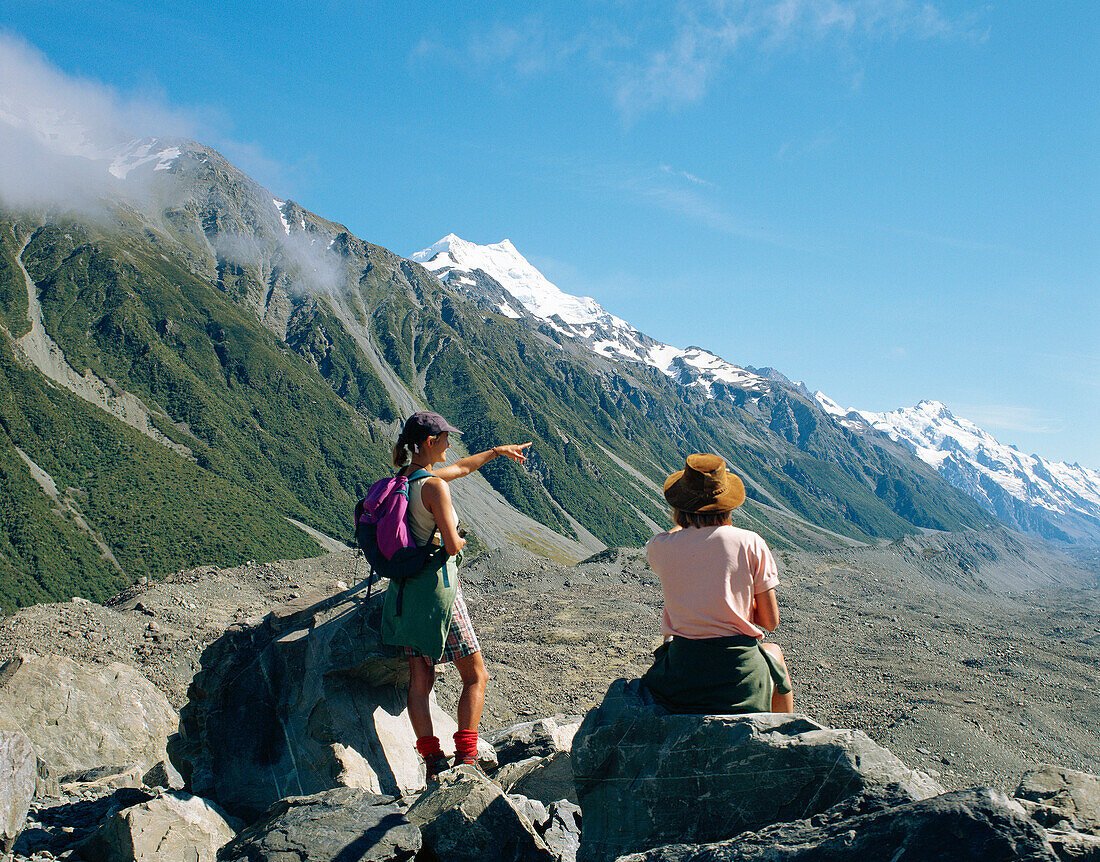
x=294 y=724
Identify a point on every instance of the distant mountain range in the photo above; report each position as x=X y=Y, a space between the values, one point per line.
x=1028 y=493
x=194 y=370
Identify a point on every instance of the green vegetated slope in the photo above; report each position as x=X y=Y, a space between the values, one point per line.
x=264 y=353
x=270 y=438
x=500 y=379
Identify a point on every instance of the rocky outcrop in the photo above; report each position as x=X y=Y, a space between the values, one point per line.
x=546 y=779
x=645 y=778
x=562 y=833
x=304 y=701
x=468 y=818
x=1060 y=797
x=540 y=738
x=345 y=824
x=173 y=825
x=165 y=775
x=85 y=717
x=979 y=825
x=18 y=776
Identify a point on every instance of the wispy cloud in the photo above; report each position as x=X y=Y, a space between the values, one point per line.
x=706 y=37
x=665 y=55
x=47 y=118
x=684 y=175
x=704 y=211
x=526 y=47
x=812 y=145
x=1010 y=417
x=944 y=240
x=676 y=192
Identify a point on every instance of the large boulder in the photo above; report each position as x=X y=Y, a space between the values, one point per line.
x=1062 y=796
x=646 y=778
x=172 y=825
x=18 y=777
x=81 y=717
x=306 y=700
x=342 y=824
x=980 y=825
x=540 y=738
x=546 y=779
x=468 y=818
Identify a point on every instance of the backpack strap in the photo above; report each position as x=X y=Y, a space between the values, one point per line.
x=417 y=476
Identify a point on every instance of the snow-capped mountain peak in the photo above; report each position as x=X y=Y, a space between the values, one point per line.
x=1051 y=498
x=458 y=262
x=516 y=275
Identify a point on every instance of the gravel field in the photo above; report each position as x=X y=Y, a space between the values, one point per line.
x=972 y=657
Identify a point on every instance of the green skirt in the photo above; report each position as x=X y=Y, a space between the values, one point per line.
x=715 y=676
x=417 y=611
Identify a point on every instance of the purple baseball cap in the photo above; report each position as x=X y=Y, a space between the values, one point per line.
x=427 y=424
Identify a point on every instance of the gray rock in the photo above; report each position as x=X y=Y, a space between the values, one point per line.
x=1074 y=796
x=546 y=779
x=342 y=824
x=539 y=738
x=172 y=825
x=46 y=783
x=101 y=779
x=304 y=701
x=18 y=776
x=563 y=830
x=645 y=778
x=165 y=775
x=80 y=717
x=510 y=773
x=979 y=825
x=468 y=818
x=1075 y=846
x=532 y=809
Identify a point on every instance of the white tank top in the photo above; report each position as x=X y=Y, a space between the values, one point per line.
x=421 y=521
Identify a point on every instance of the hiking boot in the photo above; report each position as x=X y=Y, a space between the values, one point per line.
x=435 y=764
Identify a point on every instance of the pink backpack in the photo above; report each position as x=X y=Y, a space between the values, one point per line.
x=382 y=530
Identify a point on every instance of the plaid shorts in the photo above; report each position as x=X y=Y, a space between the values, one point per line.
x=461 y=640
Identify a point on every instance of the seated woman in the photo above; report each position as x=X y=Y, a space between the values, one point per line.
x=719 y=589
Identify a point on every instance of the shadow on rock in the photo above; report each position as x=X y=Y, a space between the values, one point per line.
x=305 y=700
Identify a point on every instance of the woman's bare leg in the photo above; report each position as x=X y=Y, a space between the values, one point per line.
x=420 y=686
x=474 y=678
x=780 y=702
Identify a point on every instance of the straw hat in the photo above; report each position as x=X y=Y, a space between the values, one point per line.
x=704 y=486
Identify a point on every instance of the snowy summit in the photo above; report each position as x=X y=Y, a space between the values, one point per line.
x=524 y=290
x=999 y=476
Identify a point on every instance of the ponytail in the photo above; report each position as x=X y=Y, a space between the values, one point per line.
x=404 y=449
x=401 y=455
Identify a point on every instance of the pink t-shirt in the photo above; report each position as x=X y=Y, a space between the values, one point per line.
x=709 y=576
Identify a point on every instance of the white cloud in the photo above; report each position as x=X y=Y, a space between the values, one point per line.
x=706 y=36
x=668 y=55
x=52 y=123
x=691 y=178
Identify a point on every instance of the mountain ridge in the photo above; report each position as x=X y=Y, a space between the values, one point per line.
x=1029 y=493
x=1013 y=489
x=283 y=351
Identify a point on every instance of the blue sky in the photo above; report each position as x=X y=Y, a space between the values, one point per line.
x=889 y=200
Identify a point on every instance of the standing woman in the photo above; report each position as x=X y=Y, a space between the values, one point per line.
x=719 y=589
x=426 y=615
